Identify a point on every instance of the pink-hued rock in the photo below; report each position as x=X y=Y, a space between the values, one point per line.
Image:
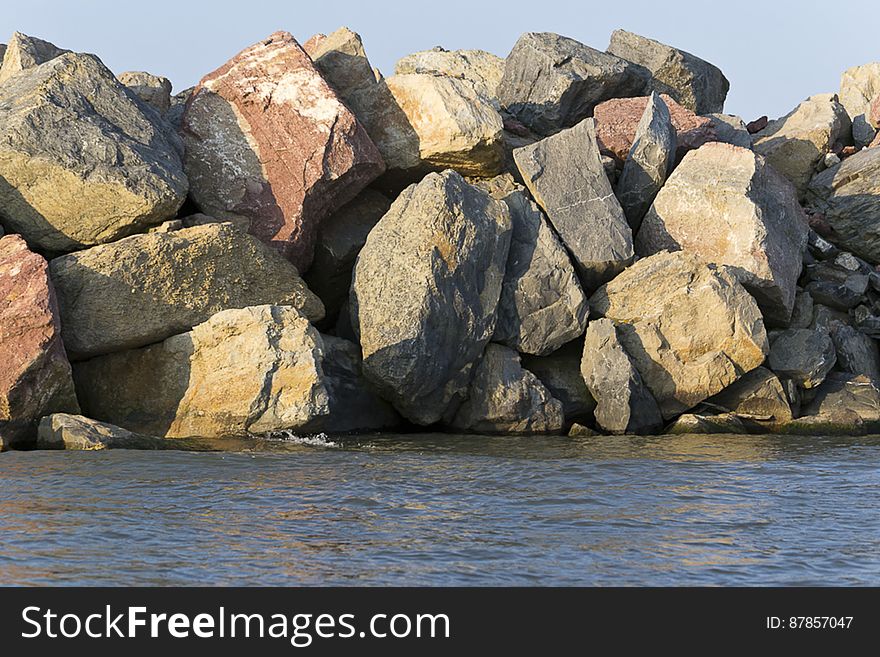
x=35 y=378
x=617 y=120
x=271 y=147
x=874 y=113
x=876 y=141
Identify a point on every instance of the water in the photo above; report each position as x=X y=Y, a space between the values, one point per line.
x=442 y=510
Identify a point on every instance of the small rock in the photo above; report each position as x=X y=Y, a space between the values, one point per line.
x=757 y=125
x=75 y=432
x=725 y=423
x=830 y=160
x=759 y=394
x=152 y=89
x=730 y=129
x=839 y=296
x=580 y=431
x=803 y=355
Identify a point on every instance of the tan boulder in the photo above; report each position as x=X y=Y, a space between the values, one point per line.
x=858 y=86
x=24 y=52
x=482 y=69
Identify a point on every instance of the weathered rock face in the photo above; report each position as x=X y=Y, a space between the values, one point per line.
x=725 y=204
x=758 y=394
x=81 y=162
x=262 y=115
x=250 y=370
x=560 y=372
x=340 y=239
x=542 y=305
x=856 y=352
x=25 y=52
x=844 y=404
x=796 y=143
x=696 y=84
x=724 y=423
x=803 y=355
x=478 y=67
x=505 y=398
x=649 y=161
x=802 y=315
x=858 y=86
x=566 y=177
x=848 y=195
x=552 y=82
x=146 y=288
x=874 y=114
x=618 y=120
x=154 y=90
x=75 y=432
x=624 y=403
x=690 y=327
x=425 y=292
x=34 y=373
x=730 y=129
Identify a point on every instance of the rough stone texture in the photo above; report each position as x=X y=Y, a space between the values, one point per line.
x=844 y=404
x=649 y=161
x=856 y=352
x=624 y=405
x=82 y=161
x=849 y=197
x=25 y=52
x=796 y=143
x=425 y=292
x=552 y=82
x=759 y=394
x=478 y=67
x=858 y=85
x=690 y=327
x=269 y=144
x=693 y=82
x=75 y=432
x=725 y=204
x=725 y=423
x=618 y=120
x=560 y=372
x=566 y=177
x=840 y=296
x=154 y=90
x=34 y=373
x=581 y=431
x=147 y=287
x=250 y=370
x=505 y=398
x=803 y=355
x=874 y=113
x=354 y=406
x=340 y=239
x=542 y=305
x=730 y=129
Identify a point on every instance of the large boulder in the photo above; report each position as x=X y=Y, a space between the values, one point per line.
x=624 y=405
x=848 y=196
x=649 y=161
x=75 y=432
x=82 y=160
x=805 y=356
x=425 y=292
x=340 y=238
x=154 y=90
x=796 y=143
x=34 y=373
x=689 y=326
x=250 y=370
x=505 y=398
x=845 y=404
x=725 y=204
x=269 y=145
x=617 y=122
x=146 y=288
x=560 y=372
x=858 y=86
x=759 y=394
x=481 y=69
x=693 y=82
x=566 y=177
x=24 y=52
x=856 y=352
x=542 y=305
x=552 y=82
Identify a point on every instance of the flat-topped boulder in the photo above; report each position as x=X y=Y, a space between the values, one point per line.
x=727 y=205
x=552 y=82
x=425 y=293
x=154 y=90
x=146 y=288
x=271 y=146
x=480 y=68
x=690 y=327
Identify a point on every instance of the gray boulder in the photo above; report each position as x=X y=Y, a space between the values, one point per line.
x=845 y=404
x=856 y=352
x=552 y=82
x=759 y=394
x=691 y=81
x=566 y=177
x=425 y=293
x=505 y=398
x=730 y=129
x=624 y=405
x=560 y=372
x=650 y=160
x=805 y=356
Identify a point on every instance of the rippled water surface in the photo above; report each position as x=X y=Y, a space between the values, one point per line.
x=444 y=510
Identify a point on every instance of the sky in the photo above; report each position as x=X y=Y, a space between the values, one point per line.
x=774 y=55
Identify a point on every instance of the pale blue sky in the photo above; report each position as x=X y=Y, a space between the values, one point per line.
x=774 y=54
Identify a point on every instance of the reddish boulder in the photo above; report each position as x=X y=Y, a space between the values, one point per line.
x=271 y=147
x=874 y=113
x=757 y=125
x=617 y=120
x=35 y=377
